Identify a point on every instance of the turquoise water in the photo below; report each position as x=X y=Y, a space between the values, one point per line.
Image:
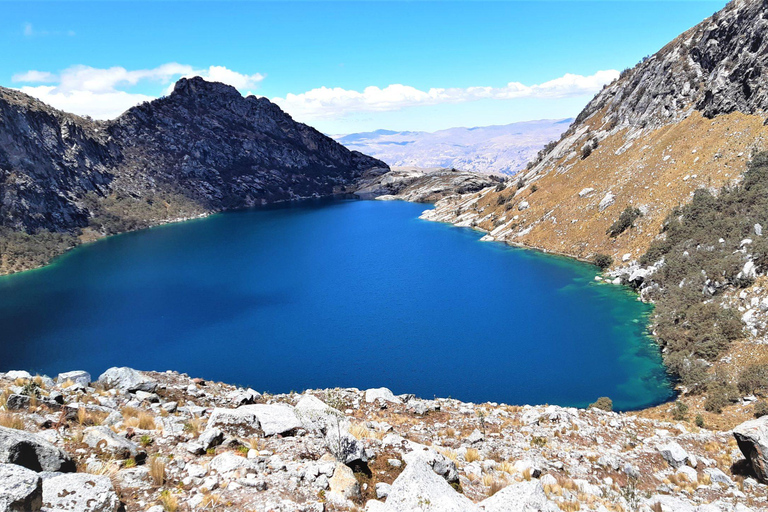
x=336 y=293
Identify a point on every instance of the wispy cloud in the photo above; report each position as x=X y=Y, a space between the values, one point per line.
x=29 y=31
x=336 y=102
x=104 y=93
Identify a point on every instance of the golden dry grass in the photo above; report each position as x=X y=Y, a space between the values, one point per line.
x=157 y=470
x=472 y=455
x=11 y=420
x=169 y=501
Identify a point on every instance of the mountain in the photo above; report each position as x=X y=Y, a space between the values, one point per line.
x=496 y=149
x=203 y=148
x=687 y=117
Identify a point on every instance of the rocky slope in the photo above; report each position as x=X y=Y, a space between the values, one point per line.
x=421 y=185
x=158 y=442
x=204 y=148
x=689 y=116
x=483 y=149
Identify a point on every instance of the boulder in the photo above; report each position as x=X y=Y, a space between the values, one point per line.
x=270 y=419
x=420 y=488
x=344 y=483
x=440 y=464
x=134 y=478
x=127 y=379
x=674 y=454
x=752 y=438
x=228 y=461
x=79 y=492
x=21 y=489
x=79 y=377
x=373 y=394
x=527 y=496
x=32 y=452
x=315 y=414
x=106 y=440
x=17 y=402
x=210 y=437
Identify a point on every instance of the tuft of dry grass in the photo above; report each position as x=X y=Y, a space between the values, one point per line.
x=569 y=506
x=194 y=425
x=472 y=455
x=169 y=501
x=360 y=431
x=10 y=420
x=527 y=474
x=157 y=470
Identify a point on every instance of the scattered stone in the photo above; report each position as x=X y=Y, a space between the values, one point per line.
x=752 y=438
x=78 y=377
x=109 y=442
x=21 y=489
x=32 y=452
x=384 y=394
x=419 y=488
x=127 y=379
x=79 y=492
x=674 y=454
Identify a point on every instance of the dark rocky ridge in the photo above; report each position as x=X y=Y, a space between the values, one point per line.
x=204 y=148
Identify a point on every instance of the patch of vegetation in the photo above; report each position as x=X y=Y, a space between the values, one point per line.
x=680 y=411
x=704 y=247
x=603 y=403
x=753 y=379
x=699 y=421
x=21 y=251
x=603 y=261
x=121 y=212
x=625 y=221
x=761 y=408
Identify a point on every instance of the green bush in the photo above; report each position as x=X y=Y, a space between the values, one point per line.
x=699 y=421
x=625 y=221
x=603 y=261
x=679 y=411
x=717 y=398
x=761 y=408
x=603 y=403
x=753 y=378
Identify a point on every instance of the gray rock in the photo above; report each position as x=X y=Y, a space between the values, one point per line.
x=107 y=441
x=79 y=377
x=79 y=492
x=606 y=201
x=475 y=437
x=752 y=438
x=32 y=452
x=134 y=478
x=419 y=488
x=373 y=394
x=17 y=402
x=210 y=437
x=674 y=454
x=127 y=379
x=718 y=477
x=527 y=496
x=228 y=461
x=21 y=489
x=270 y=419
x=382 y=489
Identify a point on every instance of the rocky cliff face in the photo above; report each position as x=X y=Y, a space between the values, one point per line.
x=203 y=148
x=688 y=117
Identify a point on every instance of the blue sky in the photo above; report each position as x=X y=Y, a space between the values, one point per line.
x=330 y=64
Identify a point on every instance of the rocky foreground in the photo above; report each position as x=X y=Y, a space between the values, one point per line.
x=145 y=441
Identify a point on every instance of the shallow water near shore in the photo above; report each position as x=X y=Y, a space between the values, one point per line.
x=336 y=293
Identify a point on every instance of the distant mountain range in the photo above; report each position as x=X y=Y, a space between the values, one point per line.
x=503 y=149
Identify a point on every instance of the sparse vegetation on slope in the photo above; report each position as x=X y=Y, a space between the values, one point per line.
x=709 y=247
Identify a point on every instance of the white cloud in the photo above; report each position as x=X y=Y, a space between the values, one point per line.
x=29 y=31
x=336 y=102
x=101 y=92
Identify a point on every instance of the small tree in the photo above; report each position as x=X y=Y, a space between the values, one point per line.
x=603 y=403
x=625 y=221
x=761 y=408
x=679 y=411
x=603 y=261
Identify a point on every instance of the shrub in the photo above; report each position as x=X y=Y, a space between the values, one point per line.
x=717 y=399
x=679 y=411
x=753 y=378
x=761 y=408
x=603 y=261
x=534 y=188
x=699 y=421
x=586 y=151
x=625 y=221
x=603 y=403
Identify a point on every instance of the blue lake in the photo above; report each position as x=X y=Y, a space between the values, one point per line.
x=336 y=293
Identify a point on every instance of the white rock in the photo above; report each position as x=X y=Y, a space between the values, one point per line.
x=79 y=492
x=21 y=489
x=228 y=461
x=526 y=496
x=419 y=488
x=107 y=441
x=674 y=454
x=79 y=377
x=127 y=379
x=585 y=192
x=371 y=395
x=523 y=205
x=606 y=201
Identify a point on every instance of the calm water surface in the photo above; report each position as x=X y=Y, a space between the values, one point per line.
x=336 y=293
